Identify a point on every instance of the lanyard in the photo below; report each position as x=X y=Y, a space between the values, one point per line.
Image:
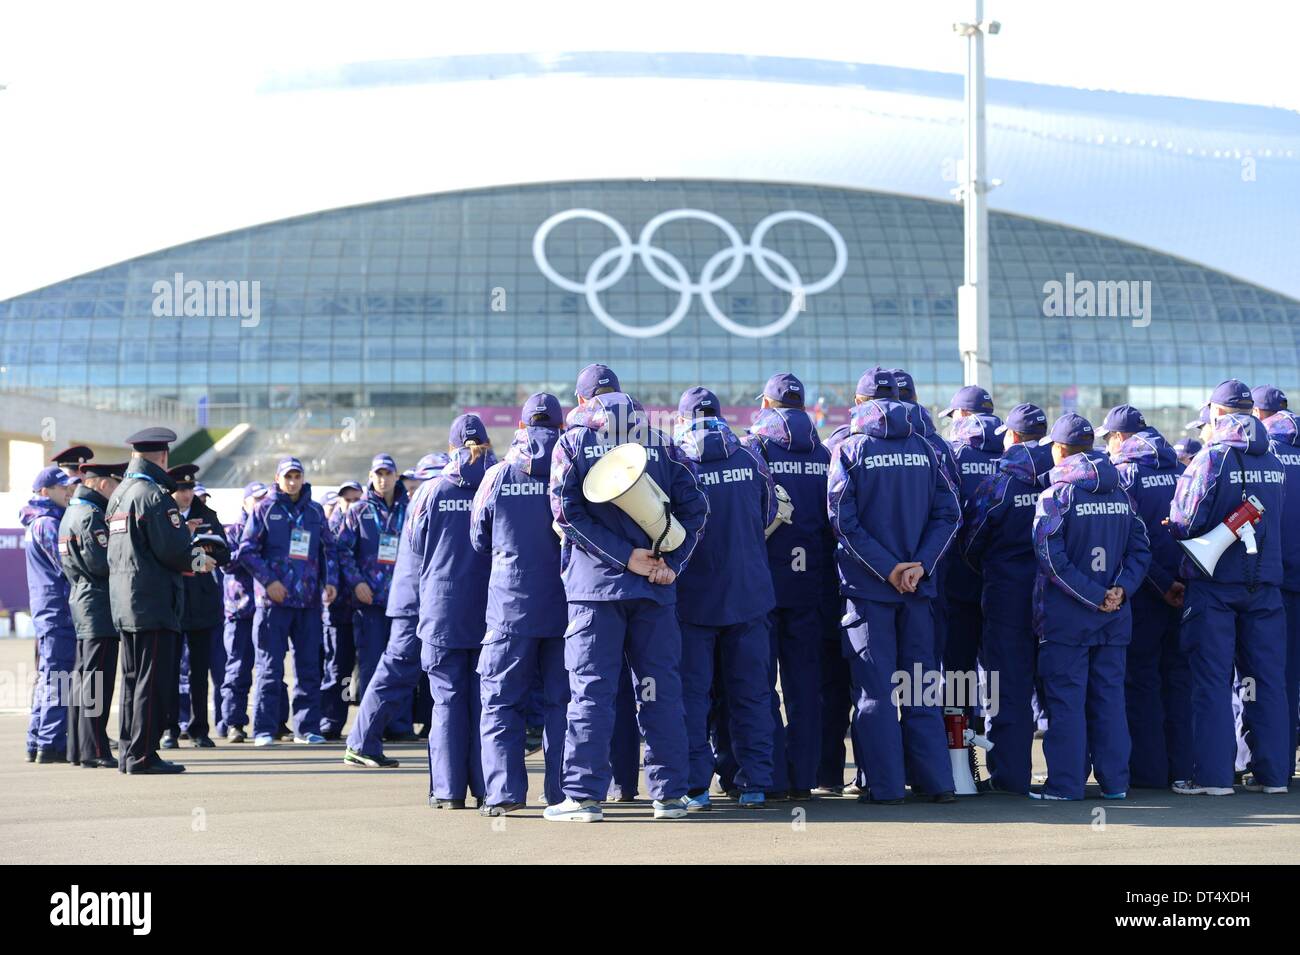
x=141 y=475
x=297 y=521
x=88 y=503
x=388 y=521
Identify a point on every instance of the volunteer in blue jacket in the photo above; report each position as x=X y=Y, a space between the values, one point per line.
x=894 y=513
x=621 y=603
x=998 y=541
x=1158 y=682
x=56 y=637
x=287 y=547
x=367 y=547
x=801 y=557
x=452 y=609
x=976 y=446
x=1092 y=555
x=723 y=599
x=339 y=658
x=1284 y=440
x=526 y=610
x=1235 y=616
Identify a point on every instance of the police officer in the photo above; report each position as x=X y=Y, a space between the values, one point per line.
x=1157 y=681
x=1236 y=614
x=237 y=637
x=621 y=603
x=894 y=513
x=526 y=610
x=200 y=620
x=367 y=546
x=1284 y=441
x=1092 y=555
x=800 y=554
x=72 y=459
x=56 y=639
x=287 y=547
x=83 y=550
x=148 y=551
x=723 y=601
x=998 y=542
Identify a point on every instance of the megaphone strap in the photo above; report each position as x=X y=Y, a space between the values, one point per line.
x=668 y=526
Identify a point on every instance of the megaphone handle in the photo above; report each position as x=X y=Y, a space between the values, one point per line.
x=668 y=526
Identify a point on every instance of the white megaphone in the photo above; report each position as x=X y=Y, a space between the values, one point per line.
x=960 y=738
x=619 y=478
x=1205 y=551
x=784 y=511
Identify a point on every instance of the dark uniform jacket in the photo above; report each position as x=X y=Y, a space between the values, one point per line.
x=83 y=552
x=148 y=550
x=203 y=603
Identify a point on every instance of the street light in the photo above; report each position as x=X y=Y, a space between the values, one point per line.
x=973 y=295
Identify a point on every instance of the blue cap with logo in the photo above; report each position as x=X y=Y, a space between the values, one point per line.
x=52 y=476
x=544 y=406
x=970 y=398
x=699 y=402
x=595 y=378
x=878 y=383
x=906 y=385
x=383 y=460
x=1233 y=394
x=1029 y=420
x=785 y=388
x=288 y=464
x=255 y=489
x=1123 y=418
x=466 y=429
x=1074 y=429
x=351 y=486
x=1269 y=398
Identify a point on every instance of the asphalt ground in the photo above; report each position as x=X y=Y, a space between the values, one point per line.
x=301 y=804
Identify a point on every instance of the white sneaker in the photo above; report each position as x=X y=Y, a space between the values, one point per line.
x=673 y=809
x=1255 y=786
x=1187 y=787
x=263 y=739
x=311 y=739
x=573 y=811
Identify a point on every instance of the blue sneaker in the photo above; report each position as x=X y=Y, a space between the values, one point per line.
x=698 y=803
x=1045 y=795
x=264 y=739
x=755 y=800
x=673 y=809
x=573 y=811
x=1123 y=795
x=311 y=739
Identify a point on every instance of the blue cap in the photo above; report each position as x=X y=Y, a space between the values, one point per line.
x=1072 y=428
x=1029 y=420
x=382 y=460
x=785 y=388
x=254 y=489
x=430 y=466
x=1233 y=394
x=330 y=498
x=877 y=383
x=970 y=398
x=906 y=386
x=1123 y=418
x=200 y=490
x=1188 y=447
x=699 y=402
x=542 y=403
x=594 y=378
x=467 y=428
x=351 y=486
x=1269 y=398
x=52 y=476
x=1202 y=418
x=288 y=464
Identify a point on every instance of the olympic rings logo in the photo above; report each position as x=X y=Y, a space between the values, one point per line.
x=668 y=270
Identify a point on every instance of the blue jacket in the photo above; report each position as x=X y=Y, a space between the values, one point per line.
x=1088 y=538
x=511 y=521
x=889 y=501
x=801 y=555
x=1284 y=441
x=47 y=588
x=997 y=532
x=1148 y=470
x=924 y=425
x=1212 y=487
x=265 y=542
x=341 y=606
x=366 y=525
x=976 y=447
x=727 y=581
x=599 y=538
x=439 y=576
x=236 y=581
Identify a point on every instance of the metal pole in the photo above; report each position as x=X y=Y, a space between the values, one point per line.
x=973 y=295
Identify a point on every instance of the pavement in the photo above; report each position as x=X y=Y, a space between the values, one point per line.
x=301 y=804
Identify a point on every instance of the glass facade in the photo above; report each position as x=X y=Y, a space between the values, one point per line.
x=416 y=306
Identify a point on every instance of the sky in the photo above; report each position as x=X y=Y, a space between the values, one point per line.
x=107 y=108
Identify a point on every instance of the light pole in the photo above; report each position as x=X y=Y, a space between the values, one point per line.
x=973 y=295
